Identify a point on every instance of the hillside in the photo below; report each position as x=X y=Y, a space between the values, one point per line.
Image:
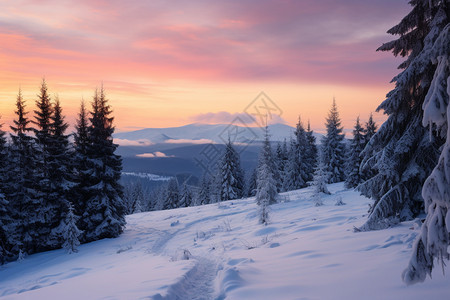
x=204 y=133
x=306 y=252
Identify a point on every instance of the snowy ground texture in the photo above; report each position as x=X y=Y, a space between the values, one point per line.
x=306 y=252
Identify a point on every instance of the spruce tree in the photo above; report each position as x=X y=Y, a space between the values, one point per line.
x=60 y=171
x=301 y=145
x=293 y=178
x=172 y=195
x=231 y=174
x=354 y=160
x=186 y=196
x=137 y=198
x=70 y=231
x=6 y=222
x=204 y=195
x=402 y=154
x=49 y=208
x=21 y=191
x=80 y=193
x=433 y=242
x=281 y=162
x=105 y=211
x=266 y=190
x=370 y=129
x=251 y=184
x=321 y=175
x=333 y=146
x=310 y=153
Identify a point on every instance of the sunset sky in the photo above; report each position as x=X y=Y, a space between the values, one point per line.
x=170 y=63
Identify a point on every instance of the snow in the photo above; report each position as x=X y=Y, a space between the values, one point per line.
x=306 y=252
x=149 y=176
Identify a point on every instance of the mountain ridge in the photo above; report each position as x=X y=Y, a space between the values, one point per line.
x=206 y=133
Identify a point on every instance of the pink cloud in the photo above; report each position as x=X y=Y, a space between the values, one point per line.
x=125 y=142
x=190 y=141
x=308 y=41
x=156 y=154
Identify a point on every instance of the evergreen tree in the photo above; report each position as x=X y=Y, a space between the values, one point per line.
x=133 y=197
x=266 y=190
x=60 y=171
x=320 y=179
x=301 y=151
x=204 y=195
x=251 y=185
x=293 y=178
x=21 y=193
x=49 y=207
x=333 y=147
x=104 y=215
x=6 y=222
x=186 y=196
x=70 y=231
x=354 y=160
x=402 y=153
x=231 y=174
x=281 y=162
x=80 y=193
x=370 y=129
x=172 y=195
x=310 y=153
x=138 y=198
x=434 y=240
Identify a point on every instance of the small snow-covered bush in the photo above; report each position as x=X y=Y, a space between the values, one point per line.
x=339 y=201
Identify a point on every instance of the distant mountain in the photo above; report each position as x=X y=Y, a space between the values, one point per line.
x=176 y=150
x=204 y=133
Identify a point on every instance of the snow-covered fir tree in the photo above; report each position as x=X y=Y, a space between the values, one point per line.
x=186 y=198
x=434 y=240
x=80 y=193
x=280 y=164
x=133 y=197
x=293 y=178
x=5 y=223
x=172 y=195
x=5 y=217
x=104 y=215
x=281 y=160
x=301 y=145
x=266 y=189
x=320 y=180
x=310 y=153
x=21 y=191
x=60 y=170
x=333 y=147
x=251 y=183
x=354 y=160
x=402 y=153
x=204 y=194
x=370 y=129
x=50 y=207
x=215 y=185
x=231 y=174
x=70 y=231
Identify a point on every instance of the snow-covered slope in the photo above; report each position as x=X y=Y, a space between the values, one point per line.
x=306 y=252
x=206 y=132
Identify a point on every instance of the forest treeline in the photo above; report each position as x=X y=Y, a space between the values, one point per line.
x=56 y=191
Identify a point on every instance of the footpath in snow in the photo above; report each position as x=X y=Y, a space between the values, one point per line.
x=221 y=252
